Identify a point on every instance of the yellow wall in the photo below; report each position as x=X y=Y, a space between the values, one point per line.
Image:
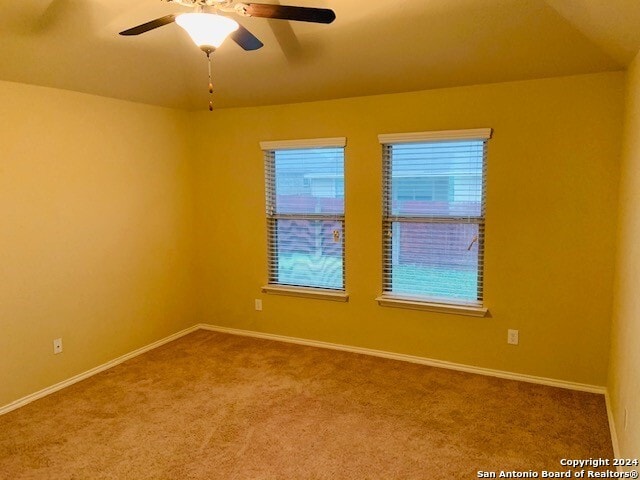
x=624 y=375
x=553 y=170
x=95 y=231
x=98 y=237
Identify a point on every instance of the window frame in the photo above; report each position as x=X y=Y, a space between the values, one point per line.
x=269 y=149
x=419 y=302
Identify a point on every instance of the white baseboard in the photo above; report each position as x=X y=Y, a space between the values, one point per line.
x=316 y=343
x=345 y=348
x=583 y=387
x=100 y=368
x=439 y=364
x=612 y=427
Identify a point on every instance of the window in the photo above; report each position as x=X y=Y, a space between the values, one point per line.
x=305 y=213
x=433 y=219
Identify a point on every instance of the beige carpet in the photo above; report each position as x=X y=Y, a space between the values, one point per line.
x=217 y=406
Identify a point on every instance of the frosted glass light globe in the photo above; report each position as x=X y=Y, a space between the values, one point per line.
x=206 y=29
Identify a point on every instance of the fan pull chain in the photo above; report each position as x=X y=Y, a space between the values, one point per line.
x=210 y=84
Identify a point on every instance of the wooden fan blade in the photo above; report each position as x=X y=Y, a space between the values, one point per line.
x=145 y=27
x=285 y=12
x=245 y=39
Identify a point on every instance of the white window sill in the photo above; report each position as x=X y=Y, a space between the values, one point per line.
x=416 y=304
x=317 y=293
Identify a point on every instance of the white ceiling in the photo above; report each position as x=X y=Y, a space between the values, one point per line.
x=373 y=47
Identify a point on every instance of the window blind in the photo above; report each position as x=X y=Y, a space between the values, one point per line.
x=434 y=216
x=305 y=216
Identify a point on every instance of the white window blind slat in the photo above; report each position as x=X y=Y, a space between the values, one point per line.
x=433 y=225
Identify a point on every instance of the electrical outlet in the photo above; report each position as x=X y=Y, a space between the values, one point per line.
x=512 y=337
x=258 y=304
x=57 y=346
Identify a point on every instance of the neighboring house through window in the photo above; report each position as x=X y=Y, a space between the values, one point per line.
x=305 y=213
x=434 y=216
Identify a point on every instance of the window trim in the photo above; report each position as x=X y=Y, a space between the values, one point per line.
x=269 y=148
x=306 y=292
x=338 y=142
x=440 y=135
x=389 y=299
x=397 y=301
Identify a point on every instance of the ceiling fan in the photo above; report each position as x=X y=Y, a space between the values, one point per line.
x=203 y=25
x=208 y=30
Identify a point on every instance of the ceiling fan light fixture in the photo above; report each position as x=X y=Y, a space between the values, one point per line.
x=207 y=30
